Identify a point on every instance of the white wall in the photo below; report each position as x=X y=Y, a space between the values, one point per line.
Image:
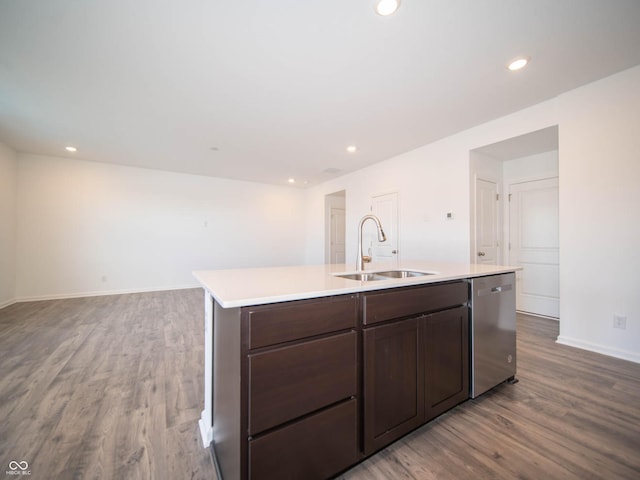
x=431 y=181
x=8 y=175
x=599 y=176
x=428 y=184
x=599 y=155
x=86 y=227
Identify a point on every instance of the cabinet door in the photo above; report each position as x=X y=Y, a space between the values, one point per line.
x=393 y=383
x=446 y=353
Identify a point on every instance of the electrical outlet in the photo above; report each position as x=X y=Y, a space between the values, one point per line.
x=620 y=322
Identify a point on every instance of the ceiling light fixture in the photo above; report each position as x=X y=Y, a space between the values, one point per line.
x=71 y=149
x=352 y=149
x=518 y=63
x=386 y=7
x=292 y=180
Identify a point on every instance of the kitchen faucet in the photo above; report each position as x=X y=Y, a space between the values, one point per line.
x=381 y=238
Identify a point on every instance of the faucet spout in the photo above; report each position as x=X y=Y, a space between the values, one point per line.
x=381 y=238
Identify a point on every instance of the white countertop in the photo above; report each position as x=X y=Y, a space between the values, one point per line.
x=256 y=286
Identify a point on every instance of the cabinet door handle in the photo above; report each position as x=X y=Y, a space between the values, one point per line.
x=481 y=254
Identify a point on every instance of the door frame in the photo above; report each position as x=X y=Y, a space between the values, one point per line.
x=500 y=225
x=397 y=218
x=328 y=234
x=332 y=244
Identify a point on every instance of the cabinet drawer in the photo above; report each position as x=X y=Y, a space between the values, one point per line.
x=378 y=307
x=288 y=382
x=272 y=324
x=317 y=447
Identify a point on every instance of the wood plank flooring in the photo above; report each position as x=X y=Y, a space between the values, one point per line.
x=104 y=387
x=112 y=387
x=572 y=415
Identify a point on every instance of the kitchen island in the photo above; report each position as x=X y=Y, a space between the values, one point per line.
x=308 y=372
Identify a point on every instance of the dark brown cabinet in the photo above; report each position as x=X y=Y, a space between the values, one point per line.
x=446 y=360
x=415 y=363
x=307 y=388
x=393 y=386
x=407 y=302
x=301 y=395
x=284 y=322
x=316 y=447
x=289 y=382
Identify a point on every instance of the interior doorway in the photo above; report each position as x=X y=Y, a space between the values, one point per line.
x=385 y=207
x=534 y=245
x=525 y=169
x=487 y=232
x=335 y=231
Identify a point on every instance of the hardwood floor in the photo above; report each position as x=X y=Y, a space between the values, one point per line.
x=572 y=415
x=104 y=387
x=112 y=387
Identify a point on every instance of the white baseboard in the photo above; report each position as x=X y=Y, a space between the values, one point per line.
x=62 y=296
x=538 y=315
x=206 y=431
x=603 y=349
x=7 y=303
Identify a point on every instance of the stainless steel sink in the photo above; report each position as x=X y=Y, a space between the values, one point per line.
x=403 y=274
x=387 y=275
x=363 y=277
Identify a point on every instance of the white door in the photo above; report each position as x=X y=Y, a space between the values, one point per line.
x=534 y=245
x=486 y=212
x=337 y=235
x=385 y=207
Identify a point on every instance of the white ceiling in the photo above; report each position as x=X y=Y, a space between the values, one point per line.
x=262 y=91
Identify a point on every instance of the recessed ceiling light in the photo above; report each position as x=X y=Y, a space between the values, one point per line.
x=386 y=7
x=292 y=180
x=71 y=149
x=352 y=149
x=518 y=63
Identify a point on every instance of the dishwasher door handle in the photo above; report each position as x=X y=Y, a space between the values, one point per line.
x=499 y=289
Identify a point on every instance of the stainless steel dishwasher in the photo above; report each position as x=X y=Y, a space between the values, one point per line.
x=493 y=331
